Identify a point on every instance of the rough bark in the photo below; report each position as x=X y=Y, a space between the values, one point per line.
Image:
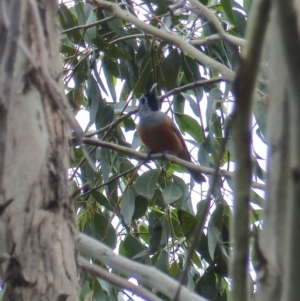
x=37 y=225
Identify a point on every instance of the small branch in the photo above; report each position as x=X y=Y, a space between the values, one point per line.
x=172 y=39
x=116 y=280
x=207 y=40
x=144 y=274
x=191 y=86
x=204 y=12
x=109 y=126
x=86 y=26
x=133 y=36
x=132 y=153
x=114 y=178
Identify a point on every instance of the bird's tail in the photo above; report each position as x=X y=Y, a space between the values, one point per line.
x=197 y=176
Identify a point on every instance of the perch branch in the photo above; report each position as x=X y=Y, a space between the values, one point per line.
x=132 y=153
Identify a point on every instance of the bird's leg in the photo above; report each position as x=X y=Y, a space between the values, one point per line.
x=149 y=156
x=165 y=153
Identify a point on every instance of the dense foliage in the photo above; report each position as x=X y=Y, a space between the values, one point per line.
x=149 y=212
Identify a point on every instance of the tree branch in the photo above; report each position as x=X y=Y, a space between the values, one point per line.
x=116 y=280
x=287 y=16
x=243 y=88
x=146 y=275
x=173 y=40
x=204 y=12
x=132 y=153
x=86 y=26
x=192 y=86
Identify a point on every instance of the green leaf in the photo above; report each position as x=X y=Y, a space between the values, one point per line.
x=161 y=260
x=144 y=74
x=105 y=116
x=184 y=202
x=94 y=97
x=202 y=248
x=257 y=199
x=192 y=103
x=102 y=200
x=214 y=230
x=155 y=231
x=146 y=183
x=140 y=207
x=206 y=286
x=171 y=193
x=227 y=5
x=133 y=247
x=127 y=206
x=187 y=223
x=98 y=292
x=214 y=95
x=170 y=68
x=246 y=4
x=191 y=71
x=173 y=270
x=70 y=50
x=260 y=113
x=128 y=124
x=91 y=32
x=99 y=227
x=79 y=11
x=190 y=125
x=109 y=67
x=68 y=20
x=116 y=53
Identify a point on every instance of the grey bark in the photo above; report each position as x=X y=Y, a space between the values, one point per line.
x=37 y=224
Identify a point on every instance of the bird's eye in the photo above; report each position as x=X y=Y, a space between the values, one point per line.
x=143 y=100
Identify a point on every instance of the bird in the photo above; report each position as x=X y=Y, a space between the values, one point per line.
x=158 y=132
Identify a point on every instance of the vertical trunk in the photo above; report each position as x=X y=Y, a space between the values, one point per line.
x=37 y=225
x=279 y=277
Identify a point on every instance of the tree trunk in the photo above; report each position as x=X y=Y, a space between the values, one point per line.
x=37 y=224
x=279 y=276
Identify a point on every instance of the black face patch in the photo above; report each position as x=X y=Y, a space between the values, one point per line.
x=152 y=100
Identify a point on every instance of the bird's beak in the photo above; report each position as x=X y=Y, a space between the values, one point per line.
x=153 y=89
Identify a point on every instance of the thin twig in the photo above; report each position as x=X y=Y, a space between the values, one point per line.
x=86 y=26
x=109 y=126
x=192 y=86
x=115 y=178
